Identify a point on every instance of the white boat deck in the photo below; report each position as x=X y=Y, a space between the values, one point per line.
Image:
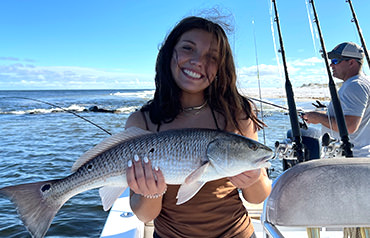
x=121 y=223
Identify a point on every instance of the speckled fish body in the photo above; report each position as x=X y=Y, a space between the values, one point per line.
x=190 y=157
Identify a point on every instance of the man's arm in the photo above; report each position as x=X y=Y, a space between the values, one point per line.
x=352 y=122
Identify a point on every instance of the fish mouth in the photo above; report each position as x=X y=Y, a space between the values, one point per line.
x=265 y=159
x=268 y=157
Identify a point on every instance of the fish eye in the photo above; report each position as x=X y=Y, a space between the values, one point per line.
x=253 y=147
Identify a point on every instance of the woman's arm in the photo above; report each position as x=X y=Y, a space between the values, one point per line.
x=142 y=182
x=258 y=185
x=255 y=184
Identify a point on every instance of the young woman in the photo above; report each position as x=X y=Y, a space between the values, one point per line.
x=196 y=88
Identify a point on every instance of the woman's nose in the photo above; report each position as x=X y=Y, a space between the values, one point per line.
x=196 y=60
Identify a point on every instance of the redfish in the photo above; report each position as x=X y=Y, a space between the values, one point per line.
x=190 y=157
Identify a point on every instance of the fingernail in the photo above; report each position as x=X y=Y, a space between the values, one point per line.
x=136 y=158
x=146 y=160
x=129 y=163
x=156 y=168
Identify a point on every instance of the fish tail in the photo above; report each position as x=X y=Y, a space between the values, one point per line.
x=34 y=205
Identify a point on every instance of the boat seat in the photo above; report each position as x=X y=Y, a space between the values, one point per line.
x=321 y=193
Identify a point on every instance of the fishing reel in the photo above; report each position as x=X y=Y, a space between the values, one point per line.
x=331 y=148
x=285 y=149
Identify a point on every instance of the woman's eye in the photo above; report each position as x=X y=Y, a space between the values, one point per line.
x=213 y=58
x=187 y=48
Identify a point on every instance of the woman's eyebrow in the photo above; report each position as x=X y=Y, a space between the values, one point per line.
x=216 y=50
x=189 y=41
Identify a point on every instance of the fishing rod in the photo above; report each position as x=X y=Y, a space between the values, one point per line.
x=272 y=104
x=354 y=19
x=298 y=146
x=342 y=127
x=259 y=81
x=51 y=104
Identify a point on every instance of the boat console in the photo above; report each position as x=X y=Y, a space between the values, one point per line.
x=320 y=193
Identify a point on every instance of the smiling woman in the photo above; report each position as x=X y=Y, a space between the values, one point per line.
x=196 y=88
x=195 y=61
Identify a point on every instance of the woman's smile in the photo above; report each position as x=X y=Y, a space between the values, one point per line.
x=192 y=74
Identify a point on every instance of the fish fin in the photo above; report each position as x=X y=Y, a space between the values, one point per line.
x=197 y=174
x=191 y=185
x=109 y=195
x=107 y=144
x=187 y=191
x=34 y=206
x=219 y=170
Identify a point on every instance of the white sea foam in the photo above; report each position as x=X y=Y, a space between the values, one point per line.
x=147 y=94
x=73 y=108
x=127 y=109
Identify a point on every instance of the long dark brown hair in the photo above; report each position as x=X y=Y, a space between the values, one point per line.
x=222 y=94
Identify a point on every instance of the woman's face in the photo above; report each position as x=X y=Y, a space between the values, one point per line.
x=194 y=61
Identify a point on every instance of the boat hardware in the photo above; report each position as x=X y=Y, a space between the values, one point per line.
x=331 y=148
x=126 y=214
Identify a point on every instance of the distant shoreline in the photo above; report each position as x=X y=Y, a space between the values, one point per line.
x=304 y=93
x=300 y=94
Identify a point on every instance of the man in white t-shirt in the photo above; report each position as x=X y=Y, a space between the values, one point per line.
x=346 y=63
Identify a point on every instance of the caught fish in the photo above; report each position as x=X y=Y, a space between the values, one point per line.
x=190 y=157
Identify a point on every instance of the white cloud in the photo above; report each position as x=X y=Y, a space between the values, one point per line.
x=300 y=71
x=20 y=76
x=27 y=76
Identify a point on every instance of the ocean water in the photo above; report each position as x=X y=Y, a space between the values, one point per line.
x=39 y=141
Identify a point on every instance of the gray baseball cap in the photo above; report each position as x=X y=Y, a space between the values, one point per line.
x=347 y=50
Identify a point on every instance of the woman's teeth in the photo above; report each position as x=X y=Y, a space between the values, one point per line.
x=192 y=74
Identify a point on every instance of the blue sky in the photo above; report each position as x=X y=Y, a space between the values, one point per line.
x=113 y=44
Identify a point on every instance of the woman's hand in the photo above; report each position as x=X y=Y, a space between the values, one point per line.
x=147 y=188
x=144 y=180
x=246 y=179
x=254 y=184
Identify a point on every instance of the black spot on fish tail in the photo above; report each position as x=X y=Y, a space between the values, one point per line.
x=34 y=208
x=45 y=187
x=151 y=150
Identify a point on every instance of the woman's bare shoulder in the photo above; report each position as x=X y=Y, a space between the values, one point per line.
x=246 y=126
x=136 y=119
